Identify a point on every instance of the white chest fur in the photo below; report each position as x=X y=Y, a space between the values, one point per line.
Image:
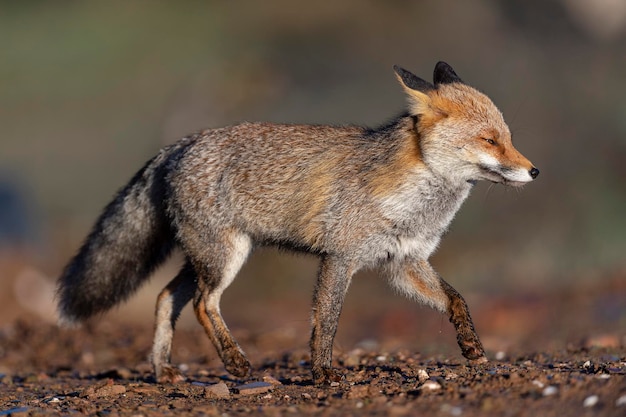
x=421 y=213
x=415 y=246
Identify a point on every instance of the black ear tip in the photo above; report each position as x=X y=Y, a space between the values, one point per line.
x=398 y=69
x=444 y=74
x=442 y=65
x=412 y=81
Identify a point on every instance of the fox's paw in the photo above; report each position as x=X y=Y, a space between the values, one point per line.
x=478 y=361
x=236 y=363
x=170 y=375
x=326 y=376
x=473 y=350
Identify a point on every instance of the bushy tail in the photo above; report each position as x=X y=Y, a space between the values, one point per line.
x=129 y=240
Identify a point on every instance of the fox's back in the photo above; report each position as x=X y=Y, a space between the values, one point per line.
x=276 y=182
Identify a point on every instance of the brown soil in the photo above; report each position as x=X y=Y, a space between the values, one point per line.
x=102 y=369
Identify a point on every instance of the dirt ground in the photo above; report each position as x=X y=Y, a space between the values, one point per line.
x=568 y=364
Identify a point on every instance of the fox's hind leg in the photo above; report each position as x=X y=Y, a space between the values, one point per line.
x=216 y=266
x=420 y=281
x=172 y=299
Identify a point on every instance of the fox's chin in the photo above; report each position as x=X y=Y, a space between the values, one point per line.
x=510 y=183
x=497 y=178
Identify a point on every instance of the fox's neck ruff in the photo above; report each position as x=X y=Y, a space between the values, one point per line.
x=421 y=211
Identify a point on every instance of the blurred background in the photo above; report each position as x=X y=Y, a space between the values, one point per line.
x=91 y=90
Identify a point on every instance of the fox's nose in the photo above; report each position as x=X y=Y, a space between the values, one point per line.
x=534 y=172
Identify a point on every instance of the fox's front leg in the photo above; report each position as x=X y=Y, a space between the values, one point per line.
x=330 y=291
x=466 y=336
x=420 y=281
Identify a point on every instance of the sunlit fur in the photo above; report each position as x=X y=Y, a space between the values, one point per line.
x=354 y=196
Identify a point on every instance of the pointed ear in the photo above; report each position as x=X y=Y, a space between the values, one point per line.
x=416 y=90
x=444 y=74
x=412 y=81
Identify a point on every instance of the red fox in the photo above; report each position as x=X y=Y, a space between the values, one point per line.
x=354 y=196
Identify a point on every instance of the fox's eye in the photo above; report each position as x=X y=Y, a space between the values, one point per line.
x=490 y=141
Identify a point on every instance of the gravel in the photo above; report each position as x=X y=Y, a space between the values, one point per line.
x=48 y=371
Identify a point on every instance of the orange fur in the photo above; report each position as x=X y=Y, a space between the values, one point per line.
x=313 y=205
x=388 y=178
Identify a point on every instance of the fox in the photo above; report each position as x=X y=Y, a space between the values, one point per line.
x=355 y=197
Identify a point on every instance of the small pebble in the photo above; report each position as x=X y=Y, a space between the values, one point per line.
x=148 y=389
x=359 y=404
x=381 y=358
x=451 y=409
x=591 y=400
x=422 y=375
x=253 y=388
x=368 y=344
x=353 y=358
x=549 y=390
x=87 y=358
x=451 y=375
x=538 y=383
x=219 y=390
x=431 y=386
x=18 y=411
x=621 y=401
x=104 y=388
x=500 y=355
x=334 y=384
x=271 y=380
x=110 y=390
x=306 y=396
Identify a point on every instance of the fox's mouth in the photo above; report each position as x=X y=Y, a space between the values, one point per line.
x=498 y=177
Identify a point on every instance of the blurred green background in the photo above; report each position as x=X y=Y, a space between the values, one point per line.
x=90 y=90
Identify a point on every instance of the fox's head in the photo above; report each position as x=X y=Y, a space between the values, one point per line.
x=463 y=135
